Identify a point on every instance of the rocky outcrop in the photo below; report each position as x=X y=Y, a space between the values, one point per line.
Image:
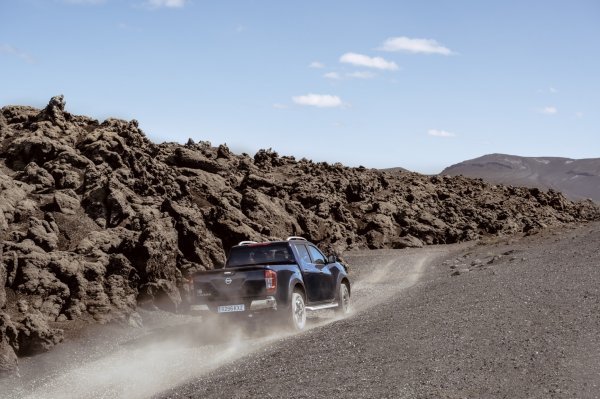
x=95 y=219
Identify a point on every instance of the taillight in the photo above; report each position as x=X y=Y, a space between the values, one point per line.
x=271 y=281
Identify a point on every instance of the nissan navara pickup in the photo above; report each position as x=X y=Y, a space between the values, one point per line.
x=281 y=279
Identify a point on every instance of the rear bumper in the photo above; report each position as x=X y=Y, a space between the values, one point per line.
x=262 y=304
x=255 y=305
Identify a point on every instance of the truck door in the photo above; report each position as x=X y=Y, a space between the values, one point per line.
x=310 y=272
x=324 y=275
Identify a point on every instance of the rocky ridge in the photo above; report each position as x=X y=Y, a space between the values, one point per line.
x=96 y=220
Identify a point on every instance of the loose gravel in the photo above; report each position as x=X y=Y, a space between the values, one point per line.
x=511 y=318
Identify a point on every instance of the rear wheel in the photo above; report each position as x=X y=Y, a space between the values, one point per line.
x=343 y=300
x=297 y=316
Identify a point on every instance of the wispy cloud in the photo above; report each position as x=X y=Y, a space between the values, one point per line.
x=361 y=75
x=550 y=90
x=332 y=75
x=165 y=3
x=550 y=110
x=410 y=45
x=579 y=115
x=280 y=106
x=318 y=100
x=440 y=133
x=316 y=64
x=368 y=62
x=7 y=49
x=349 y=75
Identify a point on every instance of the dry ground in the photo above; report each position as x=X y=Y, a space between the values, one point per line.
x=510 y=318
x=523 y=322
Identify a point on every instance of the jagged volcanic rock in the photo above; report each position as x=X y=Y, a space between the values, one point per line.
x=95 y=219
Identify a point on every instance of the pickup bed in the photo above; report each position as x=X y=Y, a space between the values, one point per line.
x=278 y=278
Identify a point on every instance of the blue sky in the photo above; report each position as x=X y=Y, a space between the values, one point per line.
x=420 y=84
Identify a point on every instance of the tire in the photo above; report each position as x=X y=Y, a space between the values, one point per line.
x=297 y=312
x=343 y=300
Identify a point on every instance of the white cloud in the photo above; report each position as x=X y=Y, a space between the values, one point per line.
x=548 y=110
x=7 y=49
x=552 y=90
x=332 y=75
x=440 y=133
x=350 y=75
x=369 y=62
x=318 y=100
x=361 y=75
x=316 y=64
x=579 y=114
x=279 y=106
x=406 y=44
x=166 y=3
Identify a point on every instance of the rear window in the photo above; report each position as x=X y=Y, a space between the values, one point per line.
x=249 y=255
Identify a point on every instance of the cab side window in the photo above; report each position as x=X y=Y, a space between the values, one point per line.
x=303 y=252
x=317 y=257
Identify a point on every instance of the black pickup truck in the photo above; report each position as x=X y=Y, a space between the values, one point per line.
x=278 y=278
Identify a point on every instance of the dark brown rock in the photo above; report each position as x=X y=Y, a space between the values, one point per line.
x=3 y=278
x=35 y=336
x=8 y=360
x=67 y=202
x=8 y=343
x=44 y=233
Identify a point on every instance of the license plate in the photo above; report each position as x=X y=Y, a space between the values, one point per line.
x=231 y=308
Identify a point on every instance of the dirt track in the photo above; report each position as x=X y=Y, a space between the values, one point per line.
x=522 y=322
x=170 y=350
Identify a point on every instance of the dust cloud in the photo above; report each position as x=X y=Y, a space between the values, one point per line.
x=173 y=351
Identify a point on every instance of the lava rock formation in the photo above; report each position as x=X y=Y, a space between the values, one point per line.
x=96 y=220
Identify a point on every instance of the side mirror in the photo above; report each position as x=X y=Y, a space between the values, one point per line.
x=332 y=259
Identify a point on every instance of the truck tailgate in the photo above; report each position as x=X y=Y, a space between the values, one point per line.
x=225 y=285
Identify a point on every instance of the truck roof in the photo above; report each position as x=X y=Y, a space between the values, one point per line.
x=255 y=243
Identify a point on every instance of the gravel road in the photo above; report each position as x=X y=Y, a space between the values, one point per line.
x=511 y=318
x=172 y=350
x=514 y=318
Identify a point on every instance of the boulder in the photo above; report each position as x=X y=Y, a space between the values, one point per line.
x=35 y=336
x=8 y=342
x=44 y=233
x=55 y=111
x=195 y=160
x=8 y=360
x=407 y=242
x=162 y=294
x=66 y=201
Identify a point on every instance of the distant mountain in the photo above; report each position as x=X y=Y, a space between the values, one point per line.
x=575 y=178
